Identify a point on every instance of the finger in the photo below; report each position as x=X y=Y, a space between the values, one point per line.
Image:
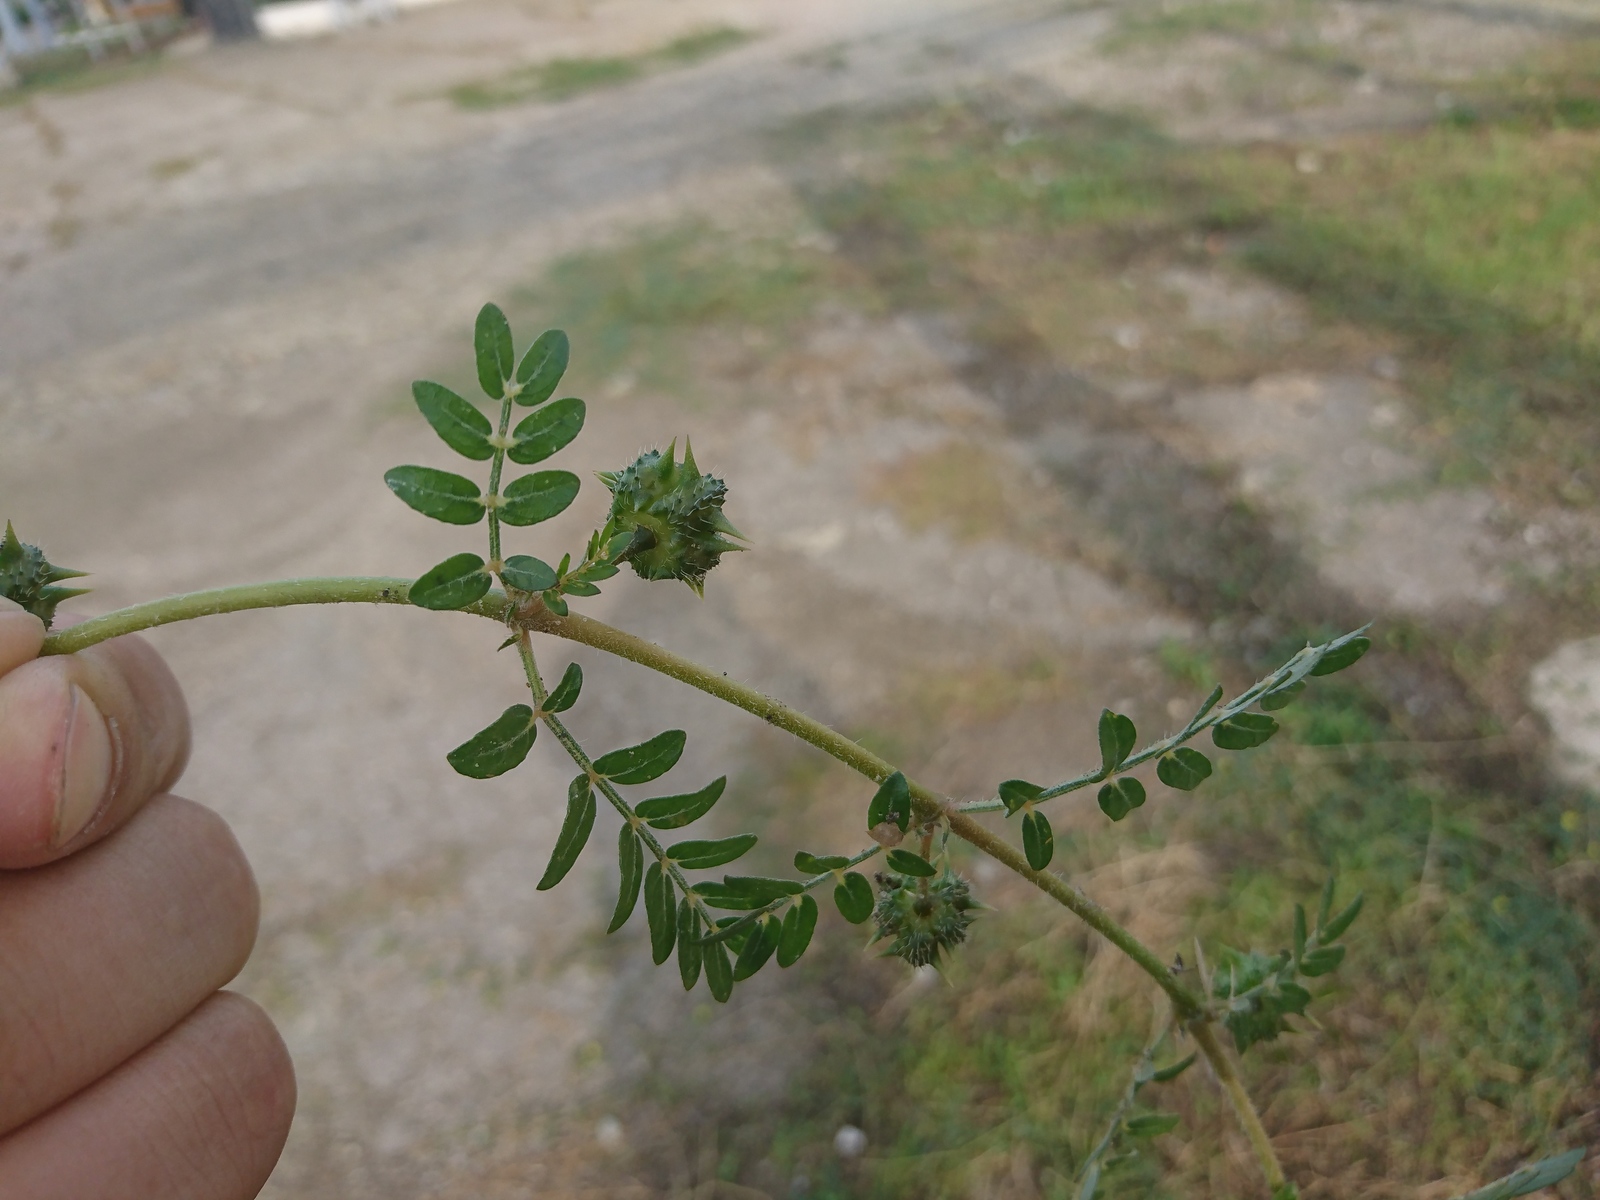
x=107 y=950
x=85 y=740
x=200 y=1115
x=21 y=635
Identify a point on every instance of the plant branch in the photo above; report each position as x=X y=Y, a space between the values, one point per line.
x=1205 y=1036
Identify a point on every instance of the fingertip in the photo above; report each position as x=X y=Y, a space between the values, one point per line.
x=21 y=635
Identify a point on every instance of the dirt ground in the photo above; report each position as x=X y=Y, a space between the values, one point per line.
x=216 y=282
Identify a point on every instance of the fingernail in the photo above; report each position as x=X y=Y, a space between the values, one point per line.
x=85 y=768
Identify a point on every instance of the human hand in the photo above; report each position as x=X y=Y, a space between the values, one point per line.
x=124 y=1073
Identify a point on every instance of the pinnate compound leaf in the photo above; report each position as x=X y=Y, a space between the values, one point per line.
x=1283 y=697
x=698 y=855
x=854 y=898
x=1117 y=738
x=1542 y=1174
x=1014 y=793
x=1331 y=930
x=891 y=803
x=719 y=971
x=566 y=692
x=816 y=864
x=546 y=430
x=1120 y=797
x=1151 y=1124
x=543 y=366
x=458 y=581
x=1243 y=731
x=574 y=833
x=644 y=762
x=909 y=863
x=1184 y=769
x=1341 y=654
x=1038 y=840
x=1168 y=1074
x=491 y=343
x=499 y=748
x=538 y=497
x=660 y=912
x=453 y=499
x=799 y=923
x=527 y=574
x=690 y=950
x=1321 y=961
x=630 y=866
x=463 y=428
x=674 y=812
x=757 y=949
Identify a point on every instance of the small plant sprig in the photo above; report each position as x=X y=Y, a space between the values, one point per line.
x=665 y=520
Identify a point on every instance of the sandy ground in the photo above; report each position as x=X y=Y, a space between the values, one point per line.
x=215 y=284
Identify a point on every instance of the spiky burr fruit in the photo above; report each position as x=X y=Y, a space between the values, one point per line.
x=29 y=579
x=675 y=514
x=919 y=918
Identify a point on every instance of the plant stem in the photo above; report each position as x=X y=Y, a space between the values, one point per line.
x=1205 y=1036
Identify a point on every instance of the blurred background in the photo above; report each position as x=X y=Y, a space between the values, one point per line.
x=1057 y=355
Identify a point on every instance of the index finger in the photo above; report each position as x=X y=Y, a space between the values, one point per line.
x=21 y=635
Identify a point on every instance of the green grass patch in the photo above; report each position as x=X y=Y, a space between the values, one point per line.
x=1166 y=24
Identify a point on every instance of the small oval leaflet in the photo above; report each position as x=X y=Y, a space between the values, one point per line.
x=491 y=343
x=527 y=574
x=1168 y=1074
x=719 y=972
x=660 y=913
x=574 y=833
x=1014 y=793
x=1243 y=731
x=757 y=949
x=1341 y=656
x=799 y=923
x=1184 y=769
x=690 y=950
x=720 y=895
x=543 y=366
x=854 y=898
x=1120 y=797
x=538 y=497
x=1283 y=697
x=1330 y=930
x=1321 y=961
x=630 y=866
x=674 y=812
x=463 y=428
x=909 y=863
x=499 y=748
x=547 y=430
x=458 y=581
x=1151 y=1124
x=644 y=762
x=566 y=692
x=1038 y=840
x=453 y=499
x=698 y=855
x=761 y=888
x=891 y=803
x=818 y=864
x=1117 y=737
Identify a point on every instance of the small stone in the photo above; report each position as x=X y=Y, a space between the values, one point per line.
x=849 y=1142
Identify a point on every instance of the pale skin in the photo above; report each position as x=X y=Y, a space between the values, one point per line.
x=126 y=1073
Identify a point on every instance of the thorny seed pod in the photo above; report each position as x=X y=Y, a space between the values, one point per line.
x=29 y=579
x=675 y=513
x=921 y=917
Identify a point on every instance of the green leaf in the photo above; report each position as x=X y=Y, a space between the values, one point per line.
x=538 y=497
x=1184 y=769
x=630 y=864
x=438 y=494
x=1243 y=731
x=1321 y=961
x=1299 y=931
x=697 y=856
x=1038 y=841
x=720 y=895
x=758 y=947
x=644 y=762
x=491 y=341
x=577 y=587
x=719 y=972
x=1283 y=697
x=553 y=601
x=1332 y=929
x=1117 y=738
x=527 y=574
x=891 y=803
x=566 y=692
x=458 y=581
x=817 y=864
x=1207 y=705
x=1014 y=793
x=545 y=431
x=1168 y=1074
x=674 y=812
x=574 y=833
x=497 y=749
x=660 y=912
x=1341 y=654
x=1542 y=1174
x=1325 y=907
x=760 y=888
x=908 y=863
x=690 y=951
x=543 y=366
x=463 y=428
x=1151 y=1124
x=1120 y=797
x=854 y=898
x=799 y=923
